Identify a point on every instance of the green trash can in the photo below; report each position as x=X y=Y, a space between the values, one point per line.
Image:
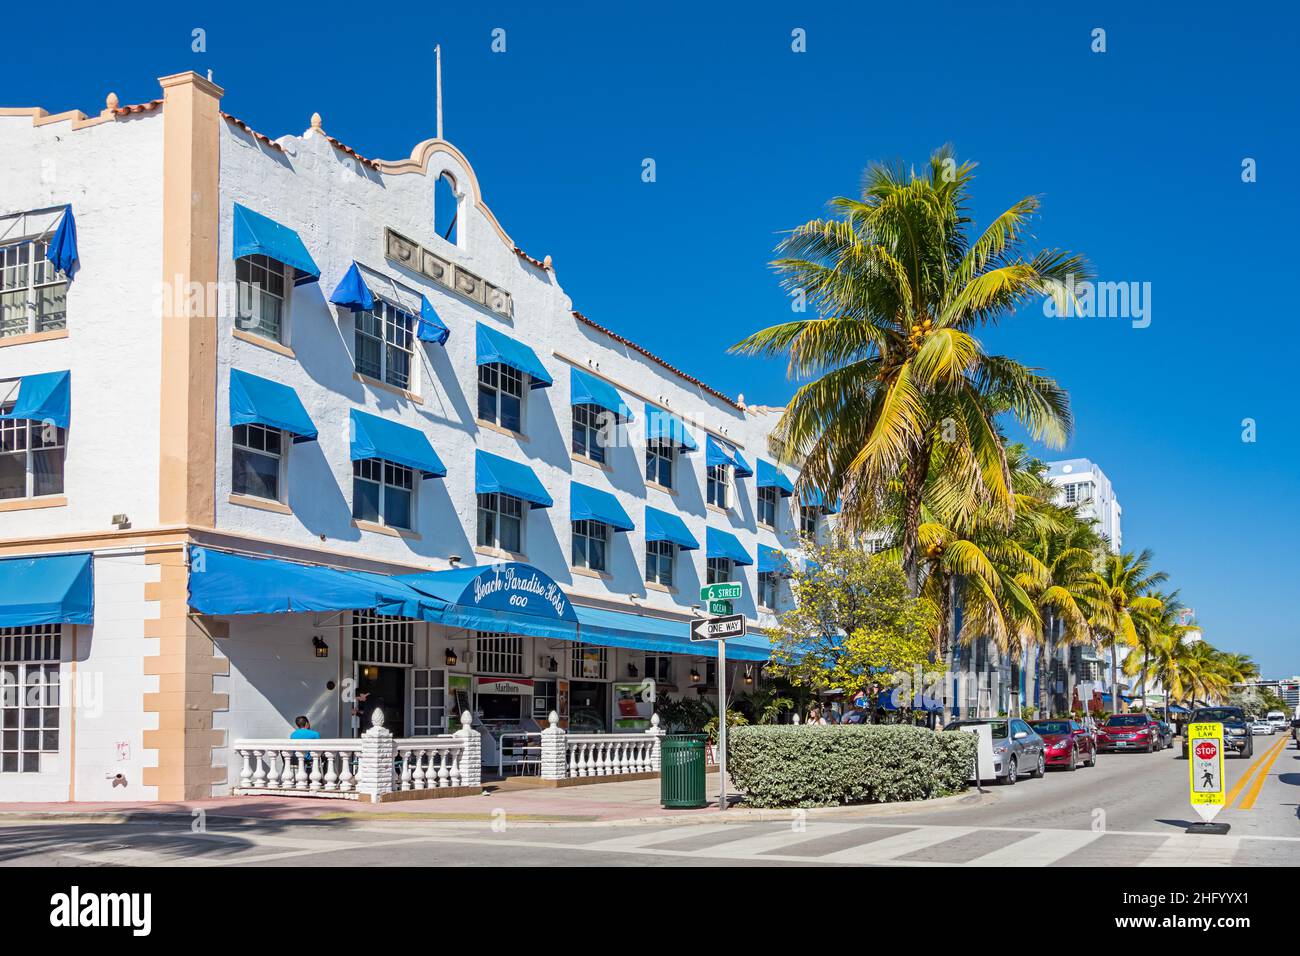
x=681 y=772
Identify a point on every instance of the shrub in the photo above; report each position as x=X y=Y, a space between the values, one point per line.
x=809 y=766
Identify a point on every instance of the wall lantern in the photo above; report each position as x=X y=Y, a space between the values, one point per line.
x=322 y=649
x=695 y=676
x=631 y=669
x=451 y=657
x=749 y=675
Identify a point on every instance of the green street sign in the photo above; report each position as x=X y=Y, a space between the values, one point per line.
x=728 y=591
x=719 y=608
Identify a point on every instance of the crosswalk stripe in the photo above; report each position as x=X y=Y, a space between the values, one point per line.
x=774 y=842
x=638 y=841
x=1185 y=849
x=1042 y=848
x=889 y=849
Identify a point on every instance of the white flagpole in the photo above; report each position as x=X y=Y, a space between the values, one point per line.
x=437 y=52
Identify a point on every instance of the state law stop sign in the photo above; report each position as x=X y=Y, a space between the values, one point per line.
x=1205 y=760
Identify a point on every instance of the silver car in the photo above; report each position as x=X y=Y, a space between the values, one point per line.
x=1017 y=749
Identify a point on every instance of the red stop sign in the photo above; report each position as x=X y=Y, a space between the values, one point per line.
x=1207 y=750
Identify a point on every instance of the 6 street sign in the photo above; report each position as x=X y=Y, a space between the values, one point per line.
x=718 y=628
x=727 y=591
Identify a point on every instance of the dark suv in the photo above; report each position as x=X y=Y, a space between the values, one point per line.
x=1236 y=729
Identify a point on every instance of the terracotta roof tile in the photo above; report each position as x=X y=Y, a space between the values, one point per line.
x=137 y=108
x=260 y=137
x=537 y=262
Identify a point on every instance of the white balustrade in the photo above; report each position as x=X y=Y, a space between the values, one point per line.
x=325 y=768
x=566 y=755
x=428 y=763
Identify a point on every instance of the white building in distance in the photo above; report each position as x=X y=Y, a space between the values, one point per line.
x=1085 y=485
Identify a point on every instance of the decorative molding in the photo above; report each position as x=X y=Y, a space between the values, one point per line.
x=454 y=278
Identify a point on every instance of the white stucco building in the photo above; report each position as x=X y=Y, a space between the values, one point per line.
x=278 y=377
x=1085 y=485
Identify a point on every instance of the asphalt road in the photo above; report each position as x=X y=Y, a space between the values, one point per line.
x=1130 y=810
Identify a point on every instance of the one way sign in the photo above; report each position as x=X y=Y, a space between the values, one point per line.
x=718 y=628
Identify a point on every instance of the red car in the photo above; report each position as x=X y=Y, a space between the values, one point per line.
x=1129 y=732
x=1068 y=743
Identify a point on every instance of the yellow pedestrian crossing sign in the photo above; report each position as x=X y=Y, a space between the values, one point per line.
x=1205 y=768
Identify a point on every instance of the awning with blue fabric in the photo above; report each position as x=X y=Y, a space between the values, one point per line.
x=770 y=476
x=643 y=633
x=665 y=426
x=45 y=397
x=494 y=475
x=509 y=596
x=430 y=327
x=260 y=401
x=258 y=235
x=813 y=498
x=1106 y=698
x=62 y=250
x=665 y=526
x=587 y=389
x=53 y=589
x=362 y=286
x=717 y=452
x=592 y=504
x=353 y=292
x=772 y=560
x=724 y=544
x=375 y=437
x=497 y=348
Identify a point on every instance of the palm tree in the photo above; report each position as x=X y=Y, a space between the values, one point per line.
x=892 y=371
x=1126 y=582
x=1163 y=649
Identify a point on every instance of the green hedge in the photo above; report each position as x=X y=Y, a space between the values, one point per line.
x=810 y=766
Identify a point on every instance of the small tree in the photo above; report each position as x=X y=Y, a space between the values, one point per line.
x=855 y=627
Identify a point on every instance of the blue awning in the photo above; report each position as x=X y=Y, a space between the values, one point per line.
x=585 y=389
x=55 y=589
x=813 y=498
x=352 y=292
x=772 y=559
x=259 y=401
x=62 y=250
x=770 y=476
x=644 y=633
x=430 y=327
x=508 y=596
x=494 y=475
x=497 y=348
x=664 y=425
x=375 y=437
x=256 y=235
x=717 y=452
x=665 y=526
x=592 y=504
x=46 y=397
x=724 y=544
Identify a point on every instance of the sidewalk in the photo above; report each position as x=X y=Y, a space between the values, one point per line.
x=621 y=803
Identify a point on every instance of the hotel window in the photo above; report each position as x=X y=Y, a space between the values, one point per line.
x=659 y=463
x=717 y=492
x=659 y=668
x=718 y=571
x=255 y=461
x=588 y=437
x=808 y=515
x=591 y=545
x=659 y=557
x=501 y=396
x=500 y=522
x=383 y=492
x=429 y=703
x=589 y=662
x=1071 y=494
x=499 y=653
x=31 y=457
x=379 y=639
x=767 y=507
x=29 y=695
x=33 y=294
x=260 y=287
x=385 y=344
x=768 y=583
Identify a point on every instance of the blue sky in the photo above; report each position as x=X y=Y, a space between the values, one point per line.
x=1137 y=153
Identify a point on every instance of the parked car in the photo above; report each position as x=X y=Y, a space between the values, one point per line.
x=1261 y=728
x=1067 y=743
x=1017 y=749
x=1128 y=732
x=1236 y=730
x=1166 y=734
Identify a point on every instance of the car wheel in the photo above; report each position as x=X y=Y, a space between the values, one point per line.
x=1092 y=760
x=1010 y=777
x=1073 y=765
x=1151 y=748
x=1249 y=751
x=1041 y=768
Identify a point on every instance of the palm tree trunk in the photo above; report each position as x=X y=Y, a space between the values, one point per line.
x=1114 y=679
x=913 y=486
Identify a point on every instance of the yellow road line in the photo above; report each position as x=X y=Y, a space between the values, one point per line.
x=1248 y=800
x=1250 y=771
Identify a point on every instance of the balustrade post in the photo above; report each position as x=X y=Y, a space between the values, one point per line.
x=554 y=743
x=657 y=735
x=471 y=760
x=375 y=771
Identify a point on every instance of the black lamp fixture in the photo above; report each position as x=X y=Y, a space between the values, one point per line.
x=749 y=675
x=695 y=676
x=451 y=657
x=322 y=649
x=631 y=669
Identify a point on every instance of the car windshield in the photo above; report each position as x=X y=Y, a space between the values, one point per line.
x=999 y=726
x=1051 y=726
x=1126 y=720
x=1217 y=714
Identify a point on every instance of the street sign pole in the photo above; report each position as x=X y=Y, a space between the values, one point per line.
x=722 y=725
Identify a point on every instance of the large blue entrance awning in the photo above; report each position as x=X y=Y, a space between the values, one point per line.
x=724 y=544
x=587 y=389
x=644 y=633
x=592 y=504
x=494 y=475
x=512 y=597
x=770 y=476
x=497 y=348
x=375 y=437
x=665 y=526
x=55 y=589
x=259 y=401
x=46 y=397
x=257 y=235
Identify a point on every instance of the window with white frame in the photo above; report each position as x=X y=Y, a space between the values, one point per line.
x=591 y=545
x=659 y=558
x=383 y=492
x=428 y=701
x=255 y=461
x=31 y=455
x=379 y=639
x=589 y=662
x=767 y=506
x=718 y=571
x=588 y=434
x=1071 y=494
x=718 y=486
x=768 y=583
x=501 y=522
x=496 y=652
x=808 y=515
x=659 y=462
x=260 y=286
x=385 y=344
x=29 y=695
x=33 y=293
x=501 y=395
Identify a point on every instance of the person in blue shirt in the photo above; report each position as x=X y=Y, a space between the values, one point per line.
x=304 y=731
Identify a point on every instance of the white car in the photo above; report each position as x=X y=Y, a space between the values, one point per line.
x=1261 y=727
